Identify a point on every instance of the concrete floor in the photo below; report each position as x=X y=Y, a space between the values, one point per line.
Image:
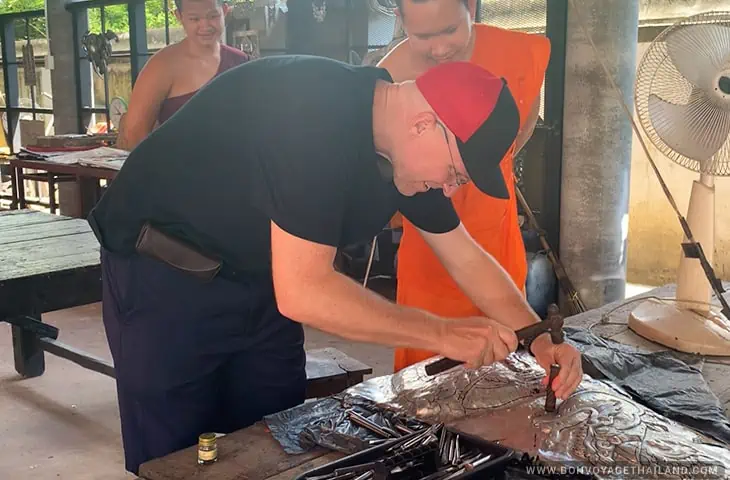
x=65 y=424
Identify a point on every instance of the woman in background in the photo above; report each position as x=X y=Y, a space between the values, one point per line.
x=174 y=74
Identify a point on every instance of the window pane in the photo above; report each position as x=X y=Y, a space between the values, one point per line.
x=155 y=22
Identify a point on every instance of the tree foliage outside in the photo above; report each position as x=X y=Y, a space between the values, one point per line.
x=115 y=16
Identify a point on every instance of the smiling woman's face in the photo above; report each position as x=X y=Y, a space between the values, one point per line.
x=202 y=20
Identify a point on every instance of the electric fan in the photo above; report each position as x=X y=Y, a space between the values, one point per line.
x=682 y=99
x=383 y=7
x=380 y=10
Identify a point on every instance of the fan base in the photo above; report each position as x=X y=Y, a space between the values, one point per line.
x=663 y=322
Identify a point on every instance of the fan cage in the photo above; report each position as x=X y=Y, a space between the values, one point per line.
x=381 y=24
x=529 y=16
x=657 y=75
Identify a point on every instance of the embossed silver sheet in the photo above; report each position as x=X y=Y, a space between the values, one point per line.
x=596 y=426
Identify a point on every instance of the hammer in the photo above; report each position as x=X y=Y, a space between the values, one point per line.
x=553 y=325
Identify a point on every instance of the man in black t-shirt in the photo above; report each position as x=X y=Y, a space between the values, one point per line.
x=219 y=233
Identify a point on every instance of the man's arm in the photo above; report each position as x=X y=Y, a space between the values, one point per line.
x=150 y=90
x=310 y=291
x=483 y=280
x=492 y=290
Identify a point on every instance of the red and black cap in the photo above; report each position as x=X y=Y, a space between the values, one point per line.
x=478 y=108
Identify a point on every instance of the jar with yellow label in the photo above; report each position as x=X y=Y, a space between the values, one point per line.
x=207 y=448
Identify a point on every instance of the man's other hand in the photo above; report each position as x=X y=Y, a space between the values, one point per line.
x=477 y=341
x=571 y=370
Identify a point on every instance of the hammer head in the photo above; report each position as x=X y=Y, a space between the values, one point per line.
x=553 y=324
x=555 y=320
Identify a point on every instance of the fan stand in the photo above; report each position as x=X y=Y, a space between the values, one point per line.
x=689 y=323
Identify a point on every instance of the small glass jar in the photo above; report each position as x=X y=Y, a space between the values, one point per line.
x=207 y=448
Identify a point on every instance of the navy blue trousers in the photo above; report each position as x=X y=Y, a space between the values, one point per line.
x=193 y=357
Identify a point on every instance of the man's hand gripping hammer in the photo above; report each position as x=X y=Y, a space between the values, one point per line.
x=553 y=325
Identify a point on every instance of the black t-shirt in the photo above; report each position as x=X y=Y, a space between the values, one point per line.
x=284 y=138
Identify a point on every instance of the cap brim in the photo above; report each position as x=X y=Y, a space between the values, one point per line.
x=486 y=148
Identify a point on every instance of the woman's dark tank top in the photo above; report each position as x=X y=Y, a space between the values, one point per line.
x=230 y=57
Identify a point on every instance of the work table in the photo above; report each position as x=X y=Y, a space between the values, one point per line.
x=250 y=454
x=253 y=454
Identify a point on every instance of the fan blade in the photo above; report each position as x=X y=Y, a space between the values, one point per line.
x=700 y=52
x=696 y=130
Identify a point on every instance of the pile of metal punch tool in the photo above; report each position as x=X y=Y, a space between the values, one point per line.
x=392 y=426
x=435 y=453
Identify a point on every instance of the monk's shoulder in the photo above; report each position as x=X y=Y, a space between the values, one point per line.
x=166 y=57
x=159 y=67
x=539 y=44
x=399 y=62
x=491 y=33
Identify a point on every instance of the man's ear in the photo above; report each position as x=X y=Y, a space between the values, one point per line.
x=422 y=123
x=226 y=8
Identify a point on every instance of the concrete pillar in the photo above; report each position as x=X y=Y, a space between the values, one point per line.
x=63 y=74
x=597 y=148
x=63 y=88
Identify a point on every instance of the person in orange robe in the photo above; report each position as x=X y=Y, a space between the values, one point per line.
x=441 y=31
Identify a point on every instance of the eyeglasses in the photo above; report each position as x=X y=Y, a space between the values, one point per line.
x=460 y=179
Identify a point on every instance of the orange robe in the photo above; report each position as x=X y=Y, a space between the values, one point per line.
x=422 y=281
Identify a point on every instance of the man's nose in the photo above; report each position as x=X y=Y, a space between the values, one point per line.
x=440 y=51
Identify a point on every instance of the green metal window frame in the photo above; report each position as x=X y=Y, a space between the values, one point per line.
x=138 y=52
x=556 y=32
x=10 y=64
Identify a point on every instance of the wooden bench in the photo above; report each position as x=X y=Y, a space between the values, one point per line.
x=330 y=371
x=47 y=263
x=50 y=262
